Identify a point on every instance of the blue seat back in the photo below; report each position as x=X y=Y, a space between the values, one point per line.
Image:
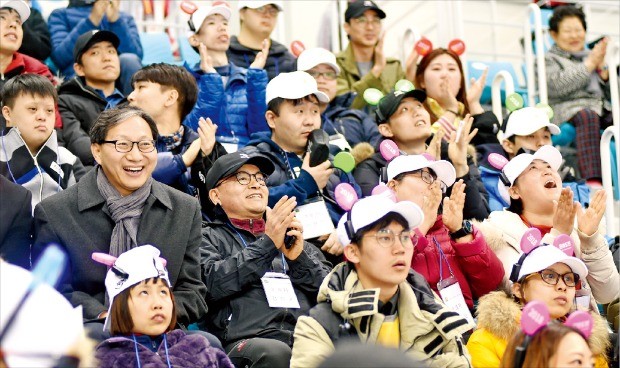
x=187 y=52
x=156 y=47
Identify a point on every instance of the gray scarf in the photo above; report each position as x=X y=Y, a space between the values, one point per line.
x=125 y=212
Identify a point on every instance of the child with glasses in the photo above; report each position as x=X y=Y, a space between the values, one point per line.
x=451 y=251
x=375 y=297
x=29 y=152
x=545 y=274
x=337 y=118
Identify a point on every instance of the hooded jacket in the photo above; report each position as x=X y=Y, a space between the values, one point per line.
x=291 y=180
x=238 y=108
x=350 y=79
x=368 y=172
x=498 y=321
x=504 y=229
x=429 y=332
x=49 y=171
x=79 y=106
x=280 y=60
x=182 y=351
x=233 y=262
x=355 y=125
x=474 y=265
x=67 y=24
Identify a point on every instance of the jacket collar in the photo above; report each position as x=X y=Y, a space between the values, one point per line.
x=347 y=61
x=89 y=195
x=14 y=137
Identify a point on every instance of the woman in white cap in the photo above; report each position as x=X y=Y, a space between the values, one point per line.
x=546 y=274
x=450 y=249
x=142 y=317
x=537 y=199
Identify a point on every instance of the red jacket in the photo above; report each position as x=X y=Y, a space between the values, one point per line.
x=474 y=265
x=22 y=64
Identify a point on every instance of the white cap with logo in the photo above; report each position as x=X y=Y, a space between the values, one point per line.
x=294 y=85
x=408 y=163
x=544 y=256
x=528 y=120
x=199 y=16
x=519 y=163
x=255 y=4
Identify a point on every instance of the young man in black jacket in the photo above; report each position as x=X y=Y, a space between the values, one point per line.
x=245 y=250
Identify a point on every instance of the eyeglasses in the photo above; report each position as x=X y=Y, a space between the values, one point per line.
x=268 y=9
x=326 y=75
x=362 y=21
x=124 y=146
x=386 y=238
x=244 y=178
x=551 y=277
x=427 y=176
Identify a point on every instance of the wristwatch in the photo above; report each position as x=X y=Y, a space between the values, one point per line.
x=463 y=231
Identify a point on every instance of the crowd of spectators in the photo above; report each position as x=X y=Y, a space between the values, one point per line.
x=259 y=209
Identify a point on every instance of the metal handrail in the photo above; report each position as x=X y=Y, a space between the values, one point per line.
x=610 y=218
x=496 y=95
x=540 y=56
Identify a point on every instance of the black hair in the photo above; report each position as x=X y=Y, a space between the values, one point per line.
x=516 y=205
x=30 y=84
x=110 y=118
x=171 y=76
x=566 y=11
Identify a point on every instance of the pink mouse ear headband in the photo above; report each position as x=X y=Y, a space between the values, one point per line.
x=535 y=317
x=424 y=46
x=531 y=240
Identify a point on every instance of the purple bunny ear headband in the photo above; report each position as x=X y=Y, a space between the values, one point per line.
x=535 y=317
x=109 y=261
x=531 y=240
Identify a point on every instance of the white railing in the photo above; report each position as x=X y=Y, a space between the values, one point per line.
x=496 y=93
x=538 y=65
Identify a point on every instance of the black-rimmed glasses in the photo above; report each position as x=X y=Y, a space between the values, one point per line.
x=124 y=146
x=551 y=277
x=244 y=178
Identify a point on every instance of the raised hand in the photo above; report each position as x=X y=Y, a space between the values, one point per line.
x=589 y=219
x=113 y=12
x=452 y=215
x=411 y=64
x=446 y=98
x=320 y=173
x=279 y=219
x=457 y=145
x=297 y=231
x=206 y=63
x=261 y=57
x=190 y=155
x=332 y=245
x=379 y=58
x=596 y=57
x=430 y=206
x=565 y=212
x=476 y=87
x=98 y=10
x=434 y=147
x=206 y=132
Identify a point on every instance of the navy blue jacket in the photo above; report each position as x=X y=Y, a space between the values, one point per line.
x=171 y=169
x=280 y=60
x=67 y=24
x=238 y=109
x=354 y=124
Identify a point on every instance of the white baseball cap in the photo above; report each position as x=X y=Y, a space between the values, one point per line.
x=19 y=6
x=544 y=256
x=527 y=120
x=373 y=208
x=294 y=85
x=312 y=57
x=407 y=163
x=130 y=268
x=46 y=325
x=519 y=163
x=255 y=4
x=199 y=16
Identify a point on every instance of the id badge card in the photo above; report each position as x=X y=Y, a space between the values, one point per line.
x=339 y=141
x=315 y=219
x=452 y=296
x=279 y=291
x=582 y=299
x=231 y=144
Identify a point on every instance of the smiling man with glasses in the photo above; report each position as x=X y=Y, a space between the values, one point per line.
x=376 y=298
x=337 y=118
x=258 y=19
x=248 y=247
x=363 y=62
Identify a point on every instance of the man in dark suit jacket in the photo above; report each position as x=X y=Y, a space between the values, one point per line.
x=15 y=223
x=80 y=218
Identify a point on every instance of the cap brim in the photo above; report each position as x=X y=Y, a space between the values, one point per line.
x=418 y=94
x=445 y=171
x=548 y=255
x=361 y=11
x=263 y=163
x=553 y=129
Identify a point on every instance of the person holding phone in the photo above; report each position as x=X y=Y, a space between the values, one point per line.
x=578 y=87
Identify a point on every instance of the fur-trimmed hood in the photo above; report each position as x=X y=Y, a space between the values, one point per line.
x=500 y=315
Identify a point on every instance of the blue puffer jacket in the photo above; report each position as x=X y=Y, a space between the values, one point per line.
x=291 y=180
x=354 y=124
x=67 y=24
x=238 y=109
x=171 y=169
